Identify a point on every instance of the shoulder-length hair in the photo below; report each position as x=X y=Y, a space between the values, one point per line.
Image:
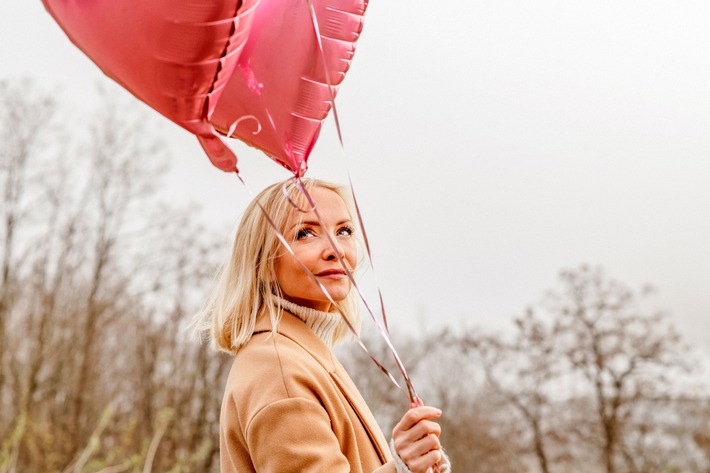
x=246 y=285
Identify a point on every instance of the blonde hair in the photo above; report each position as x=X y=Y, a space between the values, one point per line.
x=246 y=285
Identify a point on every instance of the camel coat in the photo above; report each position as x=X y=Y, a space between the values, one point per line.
x=289 y=406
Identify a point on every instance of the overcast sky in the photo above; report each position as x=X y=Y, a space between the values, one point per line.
x=491 y=143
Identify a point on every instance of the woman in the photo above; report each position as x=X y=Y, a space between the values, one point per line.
x=289 y=406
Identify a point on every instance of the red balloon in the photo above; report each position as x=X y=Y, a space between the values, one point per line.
x=174 y=55
x=277 y=97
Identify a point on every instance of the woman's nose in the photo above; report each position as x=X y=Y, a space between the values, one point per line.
x=332 y=250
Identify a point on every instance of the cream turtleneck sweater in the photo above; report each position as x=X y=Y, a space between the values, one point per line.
x=322 y=323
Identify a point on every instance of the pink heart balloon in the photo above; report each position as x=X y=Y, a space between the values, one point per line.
x=278 y=97
x=174 y=55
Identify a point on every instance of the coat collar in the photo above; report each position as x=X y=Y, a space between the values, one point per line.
x=295 y=329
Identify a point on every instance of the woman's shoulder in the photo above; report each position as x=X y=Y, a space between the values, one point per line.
x=272 y=367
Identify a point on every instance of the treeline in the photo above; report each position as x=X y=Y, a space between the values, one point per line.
x=592 y=380
x=99 y=278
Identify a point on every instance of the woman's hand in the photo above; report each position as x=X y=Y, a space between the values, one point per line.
x=416 y=439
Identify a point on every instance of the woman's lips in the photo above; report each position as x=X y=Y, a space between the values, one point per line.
x=332 y=274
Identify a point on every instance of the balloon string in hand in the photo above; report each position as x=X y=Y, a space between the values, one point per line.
x=415 y=438
x=417 y=402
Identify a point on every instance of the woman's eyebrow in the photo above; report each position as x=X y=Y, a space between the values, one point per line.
x=312 y=223
x=316 y=223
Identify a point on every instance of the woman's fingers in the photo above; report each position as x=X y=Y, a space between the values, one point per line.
x=424 y=427
x=416 y=438
x=421 y=430
x=425 y=462
x=420 y=447
x=415 y=415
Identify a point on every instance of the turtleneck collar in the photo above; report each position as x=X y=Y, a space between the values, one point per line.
x=321 y=323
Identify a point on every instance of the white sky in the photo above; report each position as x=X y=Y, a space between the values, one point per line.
x=492 y=143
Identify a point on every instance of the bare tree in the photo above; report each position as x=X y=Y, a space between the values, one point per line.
x=524 y=372
x=120 y=173
x=477 y=431
x=701 y=436
x=26 y=124
x=189 y=377
x=627 y=354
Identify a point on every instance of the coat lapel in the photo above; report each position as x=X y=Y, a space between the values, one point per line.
x=351 y=393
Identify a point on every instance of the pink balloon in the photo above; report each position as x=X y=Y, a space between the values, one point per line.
x=253 y=69
x=277 y=97
x=174 y=55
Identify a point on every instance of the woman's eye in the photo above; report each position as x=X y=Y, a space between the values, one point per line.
x=345 y=231
x=304 y=233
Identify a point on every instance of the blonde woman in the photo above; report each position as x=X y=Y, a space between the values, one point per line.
x=289 y=406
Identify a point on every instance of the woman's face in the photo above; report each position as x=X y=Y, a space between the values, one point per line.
x=311 y=246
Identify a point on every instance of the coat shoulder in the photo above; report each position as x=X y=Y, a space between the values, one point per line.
x=272 y=367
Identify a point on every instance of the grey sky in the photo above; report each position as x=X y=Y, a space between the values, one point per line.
x=492 y=143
